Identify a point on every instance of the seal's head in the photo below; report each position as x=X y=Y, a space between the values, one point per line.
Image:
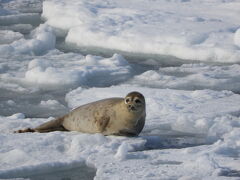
x=135 y=102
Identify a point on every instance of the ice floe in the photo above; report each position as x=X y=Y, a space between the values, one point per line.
x=88 y=71
x=9 y=36
x=192 y=128
x=192 y=76
x=173 y=116
x=184 y=29
x=42 y=40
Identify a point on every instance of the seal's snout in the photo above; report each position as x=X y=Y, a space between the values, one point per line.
x=131 y=107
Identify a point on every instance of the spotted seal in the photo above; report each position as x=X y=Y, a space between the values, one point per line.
x=112 y=116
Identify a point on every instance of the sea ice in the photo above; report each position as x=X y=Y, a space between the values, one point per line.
x=51 y=104
x=192 y=130
x=209 y=115
x=191 y=77
x=7 y=37
x=184 y=29
x=42 y=40
x=80 y=70
x=237 y=38
x=180 y=111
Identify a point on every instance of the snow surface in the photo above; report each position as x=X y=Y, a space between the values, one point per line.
x=192 y=29
x=192 y=76
x=42 y=40
x=192 y=128
x=81 y=70
x=52 y=70
x=174 y=118
x=9 y=36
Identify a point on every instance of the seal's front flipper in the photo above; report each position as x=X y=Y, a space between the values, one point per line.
x=127 y=132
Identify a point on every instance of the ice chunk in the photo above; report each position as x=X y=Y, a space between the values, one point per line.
x=51 y=104
x=11 y=102
x=89 y=70
x=237 y=38
x=42 y=40
x=192 y=77
x=22 y=28
x=23 y=6
x=17 y=116
x=7 y=37
x=122 y=151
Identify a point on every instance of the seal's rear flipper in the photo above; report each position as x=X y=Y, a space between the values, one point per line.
x=25 y=130
x=53 y=125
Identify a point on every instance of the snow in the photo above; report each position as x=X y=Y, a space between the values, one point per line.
x=22 y=28
x=182 y=55
x=122 y=151
x=22 y=6
x=195 y=33
x=9 y=36
x=51 y=104
x=52 y=71
x=237 y=38
x=81 y=70
x=192 y=76
x=177 y=111
x=42 y=40
x=175 y=118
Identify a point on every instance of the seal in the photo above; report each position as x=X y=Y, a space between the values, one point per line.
x=113 y=116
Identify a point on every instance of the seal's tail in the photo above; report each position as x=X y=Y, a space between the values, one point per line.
x=53 y=125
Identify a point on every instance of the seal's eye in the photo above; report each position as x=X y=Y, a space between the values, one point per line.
x=127 y=100
x=137 y=101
